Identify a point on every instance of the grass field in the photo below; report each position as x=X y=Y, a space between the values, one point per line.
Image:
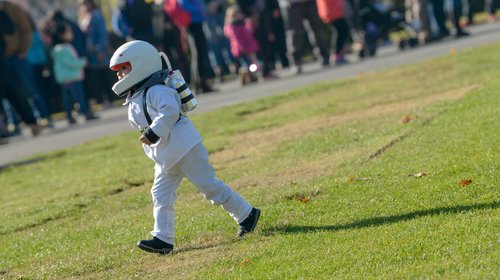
x=388 y=175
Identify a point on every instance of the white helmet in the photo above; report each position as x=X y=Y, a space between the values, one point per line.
x=142 y=57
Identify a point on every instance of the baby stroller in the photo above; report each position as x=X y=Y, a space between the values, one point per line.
x=379 y=19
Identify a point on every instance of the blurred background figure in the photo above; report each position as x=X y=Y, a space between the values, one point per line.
x=455 y=16
x=55 y=17
x=332 y=13
x=201 y=72
x=174 y=44
x=98 y=78
x=38 y=59
x=279 y=47
x=491 y=8
x=138 y=16
x=68 y=71
x=221 y=59
x=417 y=15
x=260 y=13
x=440 y=17
x=6 y=28
x=19 y=90
x=298 y=11
x=244 y=46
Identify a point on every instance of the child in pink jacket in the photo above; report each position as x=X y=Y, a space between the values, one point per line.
x=239 y=32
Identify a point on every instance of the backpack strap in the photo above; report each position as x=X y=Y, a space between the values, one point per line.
x=145 y=106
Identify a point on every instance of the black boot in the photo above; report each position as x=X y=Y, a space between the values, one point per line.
x=248 y=225
x=156 y=245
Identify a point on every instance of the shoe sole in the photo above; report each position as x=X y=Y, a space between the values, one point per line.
x=154 y=250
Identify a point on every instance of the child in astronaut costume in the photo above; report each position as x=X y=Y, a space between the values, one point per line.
x=172 y=142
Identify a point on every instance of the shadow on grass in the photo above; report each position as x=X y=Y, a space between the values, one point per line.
x=378 y=221
x=190 y=248
x=33 y=160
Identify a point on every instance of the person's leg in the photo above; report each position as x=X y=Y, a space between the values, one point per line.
x=80 y=97
x=457 y=14
x=296 y=31
x=164 y=195
x=317 y=27
x=439 y=15
x=204 y=69
x=26 y=76
x=67 y=98
x=342 y=34
x=196 y=168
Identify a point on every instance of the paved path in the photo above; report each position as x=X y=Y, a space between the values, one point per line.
x=114 y=120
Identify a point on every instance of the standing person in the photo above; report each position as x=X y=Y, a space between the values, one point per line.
x=440 y=16
x=68 y=71
x=417 y=15
x=332 y=13
x=91 y=22
x=260 y=12
x=491 y=8
x=6 y=27
x=198 y=13
x=139 y=15
x=220 y=55
x=278 y=45
x=171 y=140
x=174 y=45
x=17 y=86
x=38 y=63
x=457 y=14
x=298 y=11
x=239 y=31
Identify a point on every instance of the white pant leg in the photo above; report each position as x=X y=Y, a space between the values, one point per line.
x=196 y=168
x=164 y=195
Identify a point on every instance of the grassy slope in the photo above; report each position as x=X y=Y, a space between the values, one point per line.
x=327 y=164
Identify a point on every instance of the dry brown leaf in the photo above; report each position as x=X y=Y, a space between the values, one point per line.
x=245 y=262
x=408 y=118
x=465 y=182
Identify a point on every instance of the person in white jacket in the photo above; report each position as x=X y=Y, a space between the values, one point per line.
x=170 y=139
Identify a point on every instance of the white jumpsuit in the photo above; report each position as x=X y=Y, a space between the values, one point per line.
x=179 y=153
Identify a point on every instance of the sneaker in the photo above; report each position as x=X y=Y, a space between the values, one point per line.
x=156 y=245
x=248 y=225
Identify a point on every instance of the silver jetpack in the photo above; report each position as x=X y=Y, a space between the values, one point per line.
x=176 y=81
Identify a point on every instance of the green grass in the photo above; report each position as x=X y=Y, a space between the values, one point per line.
x=328 y=165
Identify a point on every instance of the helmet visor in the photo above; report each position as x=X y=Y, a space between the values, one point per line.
x=120 y=65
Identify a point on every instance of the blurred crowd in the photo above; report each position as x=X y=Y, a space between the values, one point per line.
x=59 y=65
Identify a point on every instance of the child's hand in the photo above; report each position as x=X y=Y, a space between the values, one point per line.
x=144 y=140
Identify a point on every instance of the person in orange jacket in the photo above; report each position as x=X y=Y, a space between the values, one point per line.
x=332 y=13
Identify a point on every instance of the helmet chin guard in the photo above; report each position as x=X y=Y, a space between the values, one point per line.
x=142 y=57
